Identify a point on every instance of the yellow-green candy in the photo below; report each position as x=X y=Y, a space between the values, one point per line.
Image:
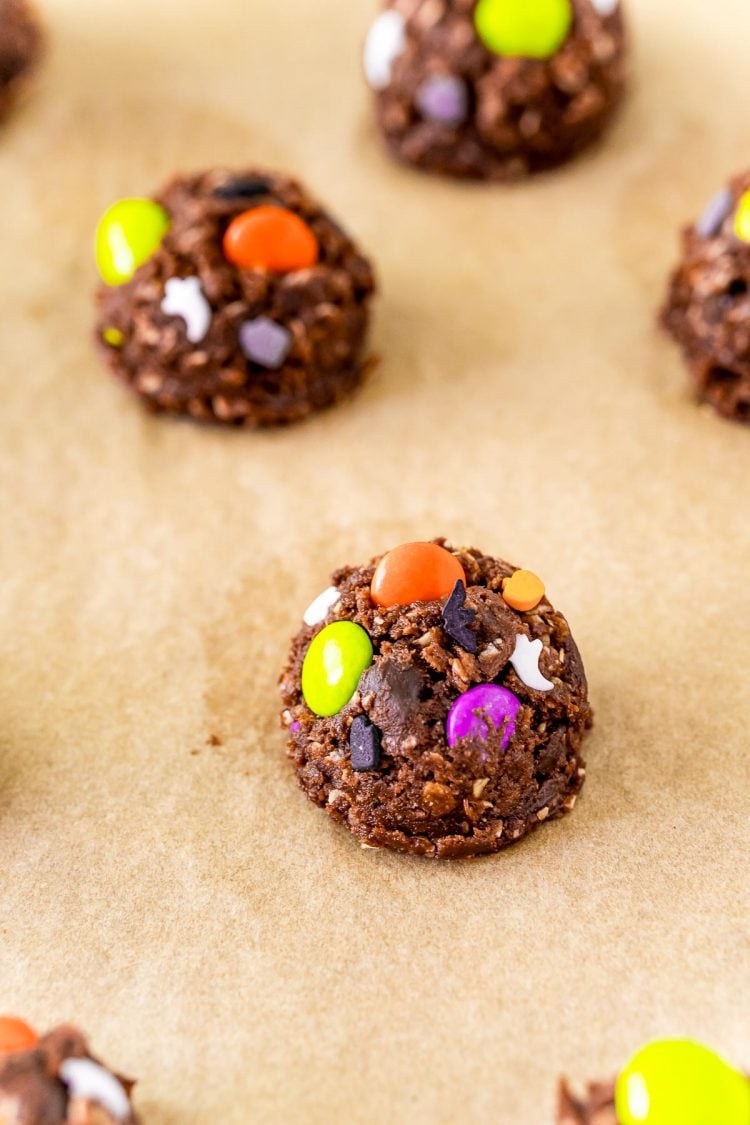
x=742 y=218
x=678 y=1082
x=528 y=29
x=127 y=235
x=334 y=662
x=114 y=337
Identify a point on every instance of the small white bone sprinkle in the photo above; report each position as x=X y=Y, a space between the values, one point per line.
x=90 y=1082
x=317 y=611
x=184 y=297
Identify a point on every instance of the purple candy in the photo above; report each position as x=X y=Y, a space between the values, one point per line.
x=712 y=219
x=265 y=342
x=295 y=727
x=494 y=704
x=444 y=99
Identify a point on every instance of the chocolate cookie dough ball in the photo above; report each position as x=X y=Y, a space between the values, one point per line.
x=667 y=1082
x=57 y=1081
x=495 y=89
x=436 y=703
x=20 y=47
x=232 y=297
x=708 y=304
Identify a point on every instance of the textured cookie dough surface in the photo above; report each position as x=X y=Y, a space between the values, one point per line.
x=426 y=796
x=708 y=304
x=20 y=45
x=194 y=333
x=595 y=1107
x=447 y=103
x=58 y=1082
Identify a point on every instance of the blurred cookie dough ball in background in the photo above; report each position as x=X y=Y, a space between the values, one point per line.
x=495 y=89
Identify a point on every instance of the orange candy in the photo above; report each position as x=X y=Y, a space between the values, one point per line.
x=15 y=1035
x=415 y=572
x=270 y=238
x=523 y=591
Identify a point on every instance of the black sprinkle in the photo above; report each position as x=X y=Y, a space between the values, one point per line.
x=364 y=745
x=247 y=188
x=456 y=618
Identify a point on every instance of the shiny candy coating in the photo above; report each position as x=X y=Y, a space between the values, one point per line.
x=332 y=667
x=114 y=337
x=270 y=238
x=523 y=591
x=479 y=706
x=523 y=29
x=15 y=1036
x=127 y=235
x=415 y=572
x=742 y=218
x=679 y=1082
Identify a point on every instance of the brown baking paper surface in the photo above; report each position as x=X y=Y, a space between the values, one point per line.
x=164 y=884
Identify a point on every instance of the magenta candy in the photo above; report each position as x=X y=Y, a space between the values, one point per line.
x=480 y=705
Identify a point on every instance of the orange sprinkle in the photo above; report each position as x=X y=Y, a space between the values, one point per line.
x=270 y=238
x=523 y=591
x=16 y=1035
x=415 y=572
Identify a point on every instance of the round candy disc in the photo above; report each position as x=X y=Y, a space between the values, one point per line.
x=479 y=706
x=523 y=591
x=333 y=664
x=678 y=1082
x=270 y=238
x=742 y=218
x=16 y=1035
x=531 y=29
x=415 y=572
x=127 y=235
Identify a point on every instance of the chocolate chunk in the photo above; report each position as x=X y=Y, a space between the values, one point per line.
x=396 y=688
x=245 y=187
x=456 y=618
x=364 y=745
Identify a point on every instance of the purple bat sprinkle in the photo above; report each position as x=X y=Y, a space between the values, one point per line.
x=265 y=342
x=712 y=219
x=443 y=98
x=295 y=726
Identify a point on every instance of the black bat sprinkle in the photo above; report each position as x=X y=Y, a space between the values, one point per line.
x=457 y=618
x=244 y=188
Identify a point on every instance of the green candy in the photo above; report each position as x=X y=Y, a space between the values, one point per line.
x=334 y=662
x=127 y=235
x=527 y=29
x=678 y=1082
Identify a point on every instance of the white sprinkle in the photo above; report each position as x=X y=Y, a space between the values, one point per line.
x=525 y=660
x=605 y=7
x=385 y=41
x=88 y=1081
x=317 y=611
x=184 y=297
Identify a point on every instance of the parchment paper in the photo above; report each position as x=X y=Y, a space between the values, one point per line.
x=164 y=883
